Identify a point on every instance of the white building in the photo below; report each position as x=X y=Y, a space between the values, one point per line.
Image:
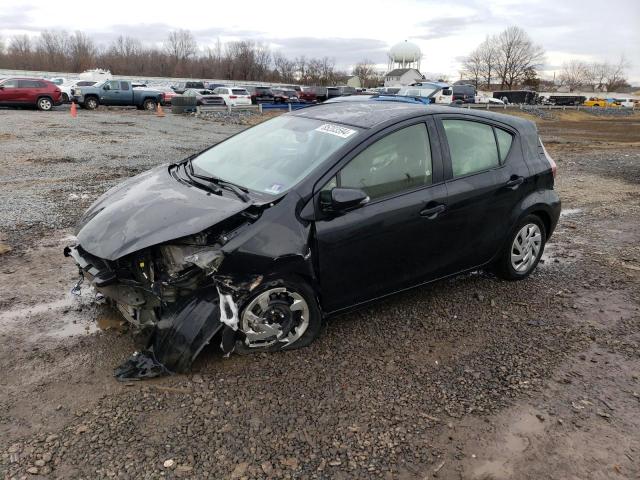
x=401 y=77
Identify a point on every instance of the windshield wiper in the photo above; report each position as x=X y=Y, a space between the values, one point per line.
x=240 y=192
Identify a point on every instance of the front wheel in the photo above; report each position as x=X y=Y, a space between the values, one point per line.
x=523 y=250
x=149 y=104
x=280 y=315
x=45 y=104
x=91 y=103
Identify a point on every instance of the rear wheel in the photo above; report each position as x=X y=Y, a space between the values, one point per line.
x=45 y=104
x=523 y=250
x=280 y=315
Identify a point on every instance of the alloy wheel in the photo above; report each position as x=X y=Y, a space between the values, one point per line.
x=525 y=248
x=44 y=104
x=277 y=315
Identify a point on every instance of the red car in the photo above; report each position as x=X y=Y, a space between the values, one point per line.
x=21 y=92
x=305 y=94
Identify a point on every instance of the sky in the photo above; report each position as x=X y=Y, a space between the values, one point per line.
x=590 y=30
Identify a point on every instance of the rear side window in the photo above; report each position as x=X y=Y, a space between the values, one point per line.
x=472 y=146
x=504 y=143
x=400 y=161
x=124 y=85
x=30 y=84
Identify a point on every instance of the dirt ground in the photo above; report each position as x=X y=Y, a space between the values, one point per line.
x=470 y=378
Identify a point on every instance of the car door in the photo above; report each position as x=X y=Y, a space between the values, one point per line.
x=392 y=242
x=479 y=188
x=9 y=92
x=112 y=95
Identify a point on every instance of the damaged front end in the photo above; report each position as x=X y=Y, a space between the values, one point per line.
x=172 y=291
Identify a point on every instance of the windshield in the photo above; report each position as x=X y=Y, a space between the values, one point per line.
x=417 y=91
x=274 y=156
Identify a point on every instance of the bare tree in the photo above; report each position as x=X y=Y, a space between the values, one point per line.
x=516 y=55
x=20 y=51
x=365 y=70
x=52 y=48
x=180 y=45
x=81 y=51
x=285 y=68
x=616 y=75
x=472 y=67
x=575 y=74
x=489 y=59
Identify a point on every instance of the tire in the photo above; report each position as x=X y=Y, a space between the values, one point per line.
x=527 y=239
x=44 y=104
x=280 y=297
x=596 y=105
x=149 y=104
x=91 y=103
x=65 y=98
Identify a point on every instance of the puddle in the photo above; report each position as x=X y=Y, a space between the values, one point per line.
x=67 y=317
x=555 y=254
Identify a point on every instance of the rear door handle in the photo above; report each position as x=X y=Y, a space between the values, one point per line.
x=515 y=182
x=433 y=212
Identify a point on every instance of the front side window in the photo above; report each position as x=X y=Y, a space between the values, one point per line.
x=400 y=161
x=472 y=146
x=113 y=85
x=275 y=155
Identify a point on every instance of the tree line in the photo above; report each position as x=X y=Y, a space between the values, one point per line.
x=178 y=56
x=511 y=59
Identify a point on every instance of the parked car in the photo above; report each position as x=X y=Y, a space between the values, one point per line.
x=428 y=92
x=167 y=94
x=64 y=86
x=339 y=91
x=116 y=93
x=465 y=93
x=213 y=86
x=482 y=99
x=305 y=94
x=181 y=87
x=233 y=96
x=626 y=102
x=284 y=96
x=25 y=92
x=320 y=93
x=204 y=97
x=311 y=214
x=259 y=94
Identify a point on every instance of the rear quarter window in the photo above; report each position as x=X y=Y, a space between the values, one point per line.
x=505 y=139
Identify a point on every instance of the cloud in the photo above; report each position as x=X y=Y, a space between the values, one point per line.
x=345 y=51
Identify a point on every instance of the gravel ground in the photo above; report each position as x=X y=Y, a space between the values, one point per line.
x=472 y=377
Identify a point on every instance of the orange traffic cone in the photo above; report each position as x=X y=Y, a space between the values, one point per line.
x=159 y=111
x=74 y=110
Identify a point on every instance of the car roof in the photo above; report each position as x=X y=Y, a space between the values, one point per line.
x=369 y=114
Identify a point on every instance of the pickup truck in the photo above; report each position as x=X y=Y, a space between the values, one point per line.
x=116 y=92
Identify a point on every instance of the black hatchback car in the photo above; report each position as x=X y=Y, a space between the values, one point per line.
x=313 y=213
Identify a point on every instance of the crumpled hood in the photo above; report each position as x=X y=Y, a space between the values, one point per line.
x=149 y=209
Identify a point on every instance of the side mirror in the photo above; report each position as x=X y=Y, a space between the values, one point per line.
x=340 y=200
x=106 y=87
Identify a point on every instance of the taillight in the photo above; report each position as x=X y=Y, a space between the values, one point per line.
x=554 y=167
x=233 y=96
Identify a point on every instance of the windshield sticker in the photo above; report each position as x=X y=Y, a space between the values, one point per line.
x=275 y=188
x=342 y=132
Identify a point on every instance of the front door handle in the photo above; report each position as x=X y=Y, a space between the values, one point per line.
x=515 y=182
x=433 y=212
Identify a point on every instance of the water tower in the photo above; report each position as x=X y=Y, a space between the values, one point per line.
x=404 y=55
